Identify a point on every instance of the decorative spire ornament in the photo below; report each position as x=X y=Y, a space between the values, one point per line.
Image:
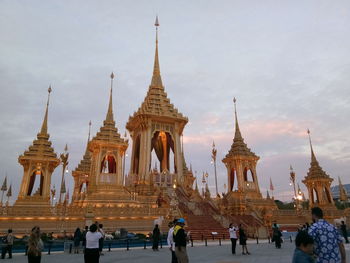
x=313 y=157
x=213 y=157
x=109 y=117
x=9 y=194
x=156 y=78
x=3 y=189
x=44 y=128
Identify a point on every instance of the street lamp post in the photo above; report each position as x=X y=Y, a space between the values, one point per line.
x=213 y=156
x=297 y=197
x=53 y=193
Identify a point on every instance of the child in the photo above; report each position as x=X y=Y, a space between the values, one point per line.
x=304 y=248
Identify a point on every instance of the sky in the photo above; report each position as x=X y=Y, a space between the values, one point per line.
x=286 y=62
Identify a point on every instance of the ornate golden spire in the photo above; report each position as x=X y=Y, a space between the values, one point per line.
x=85 y=163
x=109 y=116
x=156 y=78
x=43 y=130
x=156 y=102
x=238 y=135
x=313 y=157
x=88 y=140
x=108 y=132
x=315 y=169
x=239 y=147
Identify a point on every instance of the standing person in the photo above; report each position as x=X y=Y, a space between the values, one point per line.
x=180 y=238
x=276 y=236
x=92 y=252
x=8 y=244
x=49 y=242
x=344 y=231
x=304 y=248
x=233 y=236
x=243 y=240
x=77 y=238
x=101 y=241
x=329 y=245
x=155 y=236
x=170 y=241
x=83 y=236
x=35 y=246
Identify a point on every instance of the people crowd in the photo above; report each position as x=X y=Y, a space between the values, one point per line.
x=319 y=242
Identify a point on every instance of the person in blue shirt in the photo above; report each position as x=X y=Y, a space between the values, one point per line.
x=304 y=248
x=329 y=245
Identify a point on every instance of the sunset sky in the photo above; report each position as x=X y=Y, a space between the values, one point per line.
x=286 y=62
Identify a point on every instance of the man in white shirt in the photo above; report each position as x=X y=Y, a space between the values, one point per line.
x=233 y=236
x=170 y=241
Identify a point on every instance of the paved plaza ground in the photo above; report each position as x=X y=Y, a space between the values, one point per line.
x=213 y=253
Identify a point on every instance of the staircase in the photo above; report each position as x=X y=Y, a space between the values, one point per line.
x=201 y=226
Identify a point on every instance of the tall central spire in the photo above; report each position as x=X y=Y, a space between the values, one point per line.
x=156 y=78
x=313 y=157
x=109 y=116
x=43 y=130
x=88 y=140
x=238 y=135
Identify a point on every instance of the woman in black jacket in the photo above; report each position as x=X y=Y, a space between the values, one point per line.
x=155 y=236
x=243 y=240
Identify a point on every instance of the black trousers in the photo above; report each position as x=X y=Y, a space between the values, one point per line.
x=5 y=249
x=34 y=259
x=91 y=255
x=173 y=257
x=233 y=242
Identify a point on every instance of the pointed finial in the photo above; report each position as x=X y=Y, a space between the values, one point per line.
x=156 y=23
x=156 y=79
x=238 y=135
x=109 y=117
x=4 y=185
x=291 y=168
x=66 y=148
x=213 y=144
x=89 y=130
x=125 y=134
x=44 y=125
x=313 y=157
x=9 y=192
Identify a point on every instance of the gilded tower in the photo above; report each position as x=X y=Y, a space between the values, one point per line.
x=241 y=166
x=107 y=149
x=81 y=174
x=156 y=128
x=38 y=162
x=318 y=183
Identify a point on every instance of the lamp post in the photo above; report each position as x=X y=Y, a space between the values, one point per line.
x=203 y=183
x=64 y=160
x=292 y=179
x=53 y=193
x=213 y=157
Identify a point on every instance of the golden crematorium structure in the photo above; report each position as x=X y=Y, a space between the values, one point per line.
x=149 y=192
